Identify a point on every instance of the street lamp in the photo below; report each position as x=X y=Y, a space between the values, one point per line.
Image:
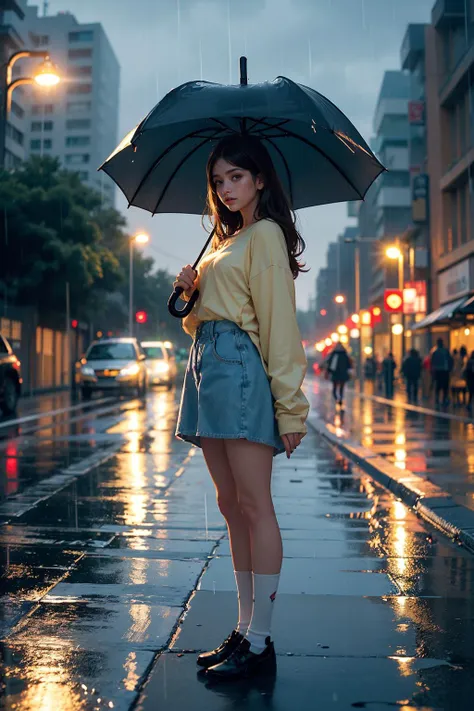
x=340 y=299
x=139 y=238
x=46 y=75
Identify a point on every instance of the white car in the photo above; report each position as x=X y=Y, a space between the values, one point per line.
x=160 y=363
x=114 y=364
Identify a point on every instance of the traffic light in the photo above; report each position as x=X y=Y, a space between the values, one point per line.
x=141 y=317
x=74 y=323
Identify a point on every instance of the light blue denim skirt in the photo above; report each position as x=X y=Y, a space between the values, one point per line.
x=226 y=392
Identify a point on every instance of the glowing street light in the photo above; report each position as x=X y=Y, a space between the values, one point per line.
x=340 y=299
x=355 y=318
x=328 y=342
x=335 y=337
x=397 y=329
x=354 y=333
x=393 y=252
x=342 y=329
x=47 y=74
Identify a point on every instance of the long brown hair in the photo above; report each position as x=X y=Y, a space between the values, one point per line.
x=249 y=153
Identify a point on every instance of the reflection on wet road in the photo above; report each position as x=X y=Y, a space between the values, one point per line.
x=437 y=448
x=115 y=580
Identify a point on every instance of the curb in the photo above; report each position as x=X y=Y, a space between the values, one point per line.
x=428 y=500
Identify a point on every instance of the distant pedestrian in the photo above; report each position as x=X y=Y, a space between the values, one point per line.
x=469 y=377
x=411 y=370
x=370 y=368
x=458 y=384
x=338 y=366
x=441 y=366
x=427 y=377
x=389 y=367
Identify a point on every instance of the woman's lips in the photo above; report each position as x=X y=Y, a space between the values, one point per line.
x=227 y=200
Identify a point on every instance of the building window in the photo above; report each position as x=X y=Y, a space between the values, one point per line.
x=77 y=158
x=453 y=199
x=43 y=40
x=17 y=110
x=47 y=144
x=79 y=89
x=78 y=107
x=82 y=53
x=78 y=140
x=40 y=109
x=78 y=124
x=47 y=125
x=81 y=71
x=84 y=36
x=35 y=144
x=14 y=134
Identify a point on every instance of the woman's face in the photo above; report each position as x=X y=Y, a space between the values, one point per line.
x=235 y=187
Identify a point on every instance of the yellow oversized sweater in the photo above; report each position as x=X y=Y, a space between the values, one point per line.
x=248 y=281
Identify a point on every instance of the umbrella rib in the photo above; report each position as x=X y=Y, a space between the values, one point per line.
x=160 y=157
x=316 y=148
x=288 y=172
x=178 y=167
x=224 y=125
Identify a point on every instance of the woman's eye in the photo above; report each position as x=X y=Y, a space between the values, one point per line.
x=236 y=177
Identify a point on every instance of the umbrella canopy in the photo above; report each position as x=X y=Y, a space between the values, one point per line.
x=319 y=155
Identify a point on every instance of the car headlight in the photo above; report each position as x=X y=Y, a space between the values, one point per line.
x=161 y=367
x=130 y=370
x=87 y=370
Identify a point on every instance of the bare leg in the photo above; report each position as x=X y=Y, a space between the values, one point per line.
x=219 y=468
x=251 y=466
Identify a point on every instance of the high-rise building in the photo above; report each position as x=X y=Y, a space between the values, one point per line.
x=450 y=111
x=13 y=37
x=77 y=121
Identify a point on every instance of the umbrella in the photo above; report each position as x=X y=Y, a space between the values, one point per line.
x=319 y=155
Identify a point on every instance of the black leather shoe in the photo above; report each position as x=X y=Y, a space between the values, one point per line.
x=242 y=662
x=220 y=654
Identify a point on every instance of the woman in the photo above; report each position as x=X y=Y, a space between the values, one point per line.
x=338 y=366
x=242 y=400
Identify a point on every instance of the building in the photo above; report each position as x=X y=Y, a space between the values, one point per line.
x=389 y=197
x=415 y=241
x=77 y=121
x=13 y=37
x=449 y=99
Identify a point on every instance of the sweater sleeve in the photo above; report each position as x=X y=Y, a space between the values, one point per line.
x=273 y=294
x=191 y=321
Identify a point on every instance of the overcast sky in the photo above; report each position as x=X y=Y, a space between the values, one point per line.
x=340 y=47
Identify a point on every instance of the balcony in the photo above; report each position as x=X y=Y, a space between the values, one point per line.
x=12 y=6
x=447 y=12
x=413 y=46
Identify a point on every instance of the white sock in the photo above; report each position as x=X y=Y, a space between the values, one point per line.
x=244 y=581
x=265 y=588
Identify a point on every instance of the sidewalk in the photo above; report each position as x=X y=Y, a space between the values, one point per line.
x=365 y=615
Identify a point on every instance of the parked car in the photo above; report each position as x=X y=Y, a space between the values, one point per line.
x=10 y=378
x=161 y=363
x=114 y=364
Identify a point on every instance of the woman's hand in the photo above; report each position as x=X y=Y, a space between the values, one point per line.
x=291 y=441
x=186 y=280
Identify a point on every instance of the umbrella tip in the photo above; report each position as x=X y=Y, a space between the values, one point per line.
x=243 y=71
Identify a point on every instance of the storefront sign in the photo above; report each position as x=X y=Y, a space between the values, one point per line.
x=455 y=282
x=393 y=301
x=414 y=297
x=416 y=112
x=419 y=199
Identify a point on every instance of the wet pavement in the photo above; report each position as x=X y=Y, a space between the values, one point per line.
x=438 y=446
x=113 y=583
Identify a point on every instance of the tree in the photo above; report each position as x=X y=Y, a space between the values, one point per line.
x=53 y=231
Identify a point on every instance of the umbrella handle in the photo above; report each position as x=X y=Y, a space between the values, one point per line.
x=181 y=313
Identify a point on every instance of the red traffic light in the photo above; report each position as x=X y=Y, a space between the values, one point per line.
x=74 y=323
x=141 y=317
